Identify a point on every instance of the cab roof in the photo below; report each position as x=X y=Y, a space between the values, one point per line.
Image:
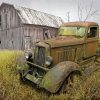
x=81 y=24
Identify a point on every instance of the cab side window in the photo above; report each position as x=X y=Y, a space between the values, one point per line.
x=92 y=32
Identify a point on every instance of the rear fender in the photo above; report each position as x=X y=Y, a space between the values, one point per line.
x=55 y=77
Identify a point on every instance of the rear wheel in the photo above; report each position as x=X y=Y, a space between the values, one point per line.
x=73 y=80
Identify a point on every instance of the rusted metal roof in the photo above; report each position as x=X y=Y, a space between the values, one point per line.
x=30 y=16
x=84 y=24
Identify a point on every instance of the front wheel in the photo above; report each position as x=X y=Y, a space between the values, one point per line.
x=22 y=78
x=71 y=82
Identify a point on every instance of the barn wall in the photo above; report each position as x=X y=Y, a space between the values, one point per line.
x=10 y=28
x=36 y=33
x=12 y=39
x=9 y=18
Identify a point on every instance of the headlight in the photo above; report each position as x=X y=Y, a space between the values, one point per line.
x=48 y=61
x=28 y=55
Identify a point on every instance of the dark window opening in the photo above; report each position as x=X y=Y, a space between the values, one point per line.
x=46 y=34
x=6 y=20
x=0 y=41
x=92 y=32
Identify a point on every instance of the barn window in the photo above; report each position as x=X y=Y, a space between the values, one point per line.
x=46 y=34
x=0 y=20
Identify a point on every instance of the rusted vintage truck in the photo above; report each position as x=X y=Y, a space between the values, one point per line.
x=54 y=61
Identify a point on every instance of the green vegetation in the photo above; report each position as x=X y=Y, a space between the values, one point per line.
x=12 y=89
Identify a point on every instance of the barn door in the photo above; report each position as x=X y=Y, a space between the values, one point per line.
x=27 y=42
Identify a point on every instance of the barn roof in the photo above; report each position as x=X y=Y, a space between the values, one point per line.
x=30 y=16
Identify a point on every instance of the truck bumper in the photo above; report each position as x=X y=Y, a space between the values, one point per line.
x=33 y=79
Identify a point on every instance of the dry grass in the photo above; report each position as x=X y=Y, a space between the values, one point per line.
x=12 y=89
x=10 y=86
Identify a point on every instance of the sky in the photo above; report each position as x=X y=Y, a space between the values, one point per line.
x=60 y=7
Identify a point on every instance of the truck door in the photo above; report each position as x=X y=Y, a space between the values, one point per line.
x=92 y=41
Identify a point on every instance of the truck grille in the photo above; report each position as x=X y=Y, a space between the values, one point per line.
x=40 y=56
x=63 y=54
x=66 y=55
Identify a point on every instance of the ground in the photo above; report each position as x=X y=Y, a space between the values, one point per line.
x=11 y=88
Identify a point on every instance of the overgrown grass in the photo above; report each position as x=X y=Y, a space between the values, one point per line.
x=10 y=86
x=12 y=89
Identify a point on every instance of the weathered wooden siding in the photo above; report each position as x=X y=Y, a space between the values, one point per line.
x=37 y=33
x=12 y=39
x=9 y=18
x=10 y=29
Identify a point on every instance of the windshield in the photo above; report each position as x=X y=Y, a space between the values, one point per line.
x=75 y=31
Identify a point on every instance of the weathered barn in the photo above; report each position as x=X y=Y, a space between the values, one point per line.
x=20 y=23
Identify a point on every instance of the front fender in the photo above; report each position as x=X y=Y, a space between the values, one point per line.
x=54 y=78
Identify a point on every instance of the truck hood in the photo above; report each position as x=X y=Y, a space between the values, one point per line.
x=64 y=41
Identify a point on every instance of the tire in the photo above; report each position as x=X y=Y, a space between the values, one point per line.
x=22 y=79
x=73 y=80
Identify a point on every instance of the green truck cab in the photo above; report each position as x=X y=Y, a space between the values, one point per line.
x=54 y=60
